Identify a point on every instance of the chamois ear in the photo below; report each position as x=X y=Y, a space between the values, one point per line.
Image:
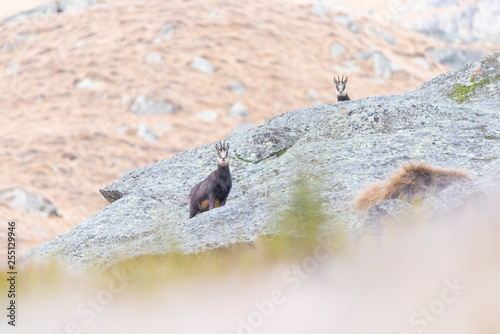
x=217 y=147
x=228 y=146
x=345 y=81
x=335 y=80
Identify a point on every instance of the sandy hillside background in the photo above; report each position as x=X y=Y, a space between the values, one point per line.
x=65 y=140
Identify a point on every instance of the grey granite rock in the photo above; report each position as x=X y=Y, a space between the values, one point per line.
x=238 y=110
x=154 y=58
x=42 y=10
x=146 y=133
x=29 y=202
x=203 y=65
x=339 y=148
x=74 y=5
x=39 y=13
x=237 y=87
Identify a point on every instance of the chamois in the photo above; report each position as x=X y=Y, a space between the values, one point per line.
x=340 y=86
x=213 y=191
x=412 y=182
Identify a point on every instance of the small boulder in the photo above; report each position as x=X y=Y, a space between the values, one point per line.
x=238 y=110
x=348 y=22
x=153 y=58
x=88 y=83
x=203 y=65
x=337 y=50
x=74 y=5
x=40 y=11
x=422 y=62
x=237 y=87
x=29 y=202
x=168 y=30
x=143 y=105
x=207 y=115
x=319 y=8
x=146 y=133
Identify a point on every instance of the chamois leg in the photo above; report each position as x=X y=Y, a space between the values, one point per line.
x=211 y=201
x=223 y=202
x=193 y=210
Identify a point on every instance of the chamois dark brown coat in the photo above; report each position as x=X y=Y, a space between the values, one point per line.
x=213 y=191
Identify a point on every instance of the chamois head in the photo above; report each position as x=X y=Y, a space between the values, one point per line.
x=340 y=85
x=222 y=153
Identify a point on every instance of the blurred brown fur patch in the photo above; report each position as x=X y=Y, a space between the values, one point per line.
x=412 y=182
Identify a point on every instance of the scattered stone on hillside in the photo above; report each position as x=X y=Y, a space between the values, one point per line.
x=51 y=7
x=146 y=133
x=88 y=83
x=237 y=87
x=143 y=105
x=168 y=30
x=29 y=202
x=453 y=57
x=382 y=66
x=207 y=115
x=395 y=67
x=238 y=110
x=348 y=22
x=365 y=55
x=388 y=38
x=422 y=62
x=203 y=65
x=42 y=10
x=319 y=8
x=337 y=50
x=74 y=5
x=154 y=58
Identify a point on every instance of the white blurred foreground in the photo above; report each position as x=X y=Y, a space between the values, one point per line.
x=421 y=277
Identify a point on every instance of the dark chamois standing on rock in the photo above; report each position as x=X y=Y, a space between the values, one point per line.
x=340 y=87
x=212 y=192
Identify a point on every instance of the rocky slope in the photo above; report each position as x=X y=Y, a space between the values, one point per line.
x=337 y=148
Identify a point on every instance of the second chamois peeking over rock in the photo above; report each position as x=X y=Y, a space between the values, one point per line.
x=340 y=87
x=213 y=191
